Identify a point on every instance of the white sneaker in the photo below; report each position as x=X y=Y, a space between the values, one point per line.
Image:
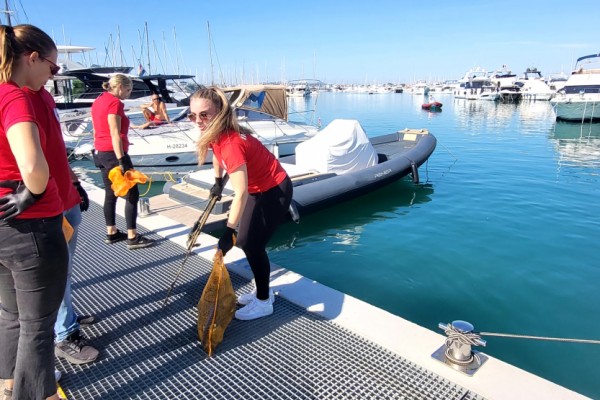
x=245 y=299
x=255 y=309
x=57 y=375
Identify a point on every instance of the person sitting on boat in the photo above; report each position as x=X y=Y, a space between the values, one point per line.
x=263 y=190
x=154 y=112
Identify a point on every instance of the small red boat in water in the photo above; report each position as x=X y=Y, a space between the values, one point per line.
x=432 y=106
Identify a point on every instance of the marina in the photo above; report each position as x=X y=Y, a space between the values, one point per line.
x=505 y=200
x=441 y=241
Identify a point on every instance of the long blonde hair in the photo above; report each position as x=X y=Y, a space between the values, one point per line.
x=116 y=80
x=225 y=120
x=18 y=40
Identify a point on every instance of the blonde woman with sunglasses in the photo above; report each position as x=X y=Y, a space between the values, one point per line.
x=263 y=191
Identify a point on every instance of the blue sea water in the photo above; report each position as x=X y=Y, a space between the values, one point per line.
x=502 y=231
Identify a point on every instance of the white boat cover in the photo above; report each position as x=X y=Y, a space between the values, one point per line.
x=340 y=147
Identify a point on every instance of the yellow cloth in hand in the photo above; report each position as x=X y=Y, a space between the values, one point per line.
x=121 y=183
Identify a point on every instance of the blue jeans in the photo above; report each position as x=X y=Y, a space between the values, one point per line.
x=33 y=272
x=66 y=320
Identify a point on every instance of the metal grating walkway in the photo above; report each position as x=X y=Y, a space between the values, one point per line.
x=150 y=352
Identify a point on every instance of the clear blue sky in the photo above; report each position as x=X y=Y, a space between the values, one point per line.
x=335 y=41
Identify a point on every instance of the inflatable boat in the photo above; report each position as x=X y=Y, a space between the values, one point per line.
x=339 y=163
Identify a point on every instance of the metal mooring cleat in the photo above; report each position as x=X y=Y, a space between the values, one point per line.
x=456 y=352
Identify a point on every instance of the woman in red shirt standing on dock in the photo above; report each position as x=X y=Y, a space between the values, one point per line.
x=263 y=190
x=111 y=127
x=33 y=250
x=70 y=342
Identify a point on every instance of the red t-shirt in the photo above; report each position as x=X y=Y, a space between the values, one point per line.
x=234 y=149
x=103 y=106
x=47 y=119
x=15 y=107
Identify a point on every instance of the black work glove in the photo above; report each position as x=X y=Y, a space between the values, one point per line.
x=217 y=188
x=227 y=240
x=125 y=163
x=85 y=201
x=18 y=201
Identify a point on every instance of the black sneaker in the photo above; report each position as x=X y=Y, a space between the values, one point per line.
x=115 y=237
x=139 y=242
x=75 y=350
x=85 y=320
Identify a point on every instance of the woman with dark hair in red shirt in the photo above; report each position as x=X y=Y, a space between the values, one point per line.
x=33 y=250
x=263 y=190
x=111 y=127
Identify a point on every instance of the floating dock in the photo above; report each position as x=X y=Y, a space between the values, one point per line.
x=318 y=344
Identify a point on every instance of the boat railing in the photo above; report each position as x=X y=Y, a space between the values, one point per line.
x=178 y=127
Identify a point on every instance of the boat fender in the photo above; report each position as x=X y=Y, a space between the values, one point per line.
x=415 y=172
x=294 y=212
x=167 y=187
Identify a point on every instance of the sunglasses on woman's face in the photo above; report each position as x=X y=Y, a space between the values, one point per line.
x=203 y=116
x=53 y=67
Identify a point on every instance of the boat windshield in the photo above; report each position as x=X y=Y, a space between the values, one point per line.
x=255 y=100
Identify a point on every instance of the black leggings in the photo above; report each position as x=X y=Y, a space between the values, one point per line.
x=107 y=160
x=262 y=215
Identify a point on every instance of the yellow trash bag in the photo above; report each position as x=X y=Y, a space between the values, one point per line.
x=216 y=306
x=121 y=183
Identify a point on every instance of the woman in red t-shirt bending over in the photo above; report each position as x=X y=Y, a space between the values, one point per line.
x=33 y=250
x=111 y=127
x=263 y=190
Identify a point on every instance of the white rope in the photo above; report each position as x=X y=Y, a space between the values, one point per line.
x=589 y=341
x=472 y=338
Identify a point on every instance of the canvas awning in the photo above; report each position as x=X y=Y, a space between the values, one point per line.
x=268 y=99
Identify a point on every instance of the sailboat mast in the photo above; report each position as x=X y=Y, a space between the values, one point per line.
x=148 y=48
x=176 y=51
x=7 y=12
x=212 y=73
x=119 y=41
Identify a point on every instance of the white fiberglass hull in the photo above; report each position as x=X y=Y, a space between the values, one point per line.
x=537 y=96
x=576 y=109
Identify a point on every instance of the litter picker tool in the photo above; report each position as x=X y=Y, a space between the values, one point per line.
x=193 y=237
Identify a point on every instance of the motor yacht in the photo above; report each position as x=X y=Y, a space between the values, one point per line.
x=579 y=99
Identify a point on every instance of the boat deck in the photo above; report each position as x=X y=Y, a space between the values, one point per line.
x=149 y=352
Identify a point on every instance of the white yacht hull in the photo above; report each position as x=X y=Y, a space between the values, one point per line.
x=576 y=109
x=488 y=96
x=537 y=96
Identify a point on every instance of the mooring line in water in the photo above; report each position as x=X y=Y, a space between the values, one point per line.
x=555 y=339
x=474 y=337
x=448 y=150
